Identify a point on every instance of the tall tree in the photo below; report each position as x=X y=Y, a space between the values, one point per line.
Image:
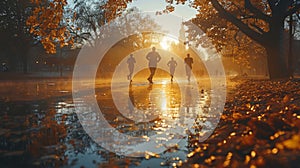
x=88 y=19
x=48 y=24
x=83 y=22
x=57 y=26
x=261 y=20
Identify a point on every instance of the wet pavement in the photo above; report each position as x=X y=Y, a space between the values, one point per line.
x=39 y=126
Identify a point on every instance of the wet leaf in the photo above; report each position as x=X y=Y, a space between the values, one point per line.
x=293 y=143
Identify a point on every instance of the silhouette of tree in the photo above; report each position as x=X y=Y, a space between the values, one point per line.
x=15 y=37
x=48 y=24
x=262 y=21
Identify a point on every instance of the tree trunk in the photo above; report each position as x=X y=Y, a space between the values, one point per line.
x=24 y=54
x=290 y=57
x=276 y=55
x=276 y=65
x=276 y=58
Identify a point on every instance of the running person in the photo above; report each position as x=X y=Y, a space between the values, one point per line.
x=130 y=62
x=172 y=65
x=188 y=66
x=153 y=57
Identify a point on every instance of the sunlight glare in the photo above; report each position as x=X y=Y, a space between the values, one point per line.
x=167 y=42
x=163 y=101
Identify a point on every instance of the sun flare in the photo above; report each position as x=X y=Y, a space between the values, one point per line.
x=167 y=42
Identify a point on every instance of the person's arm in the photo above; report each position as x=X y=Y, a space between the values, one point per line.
x=168 y=63
x=159 y=57
x=134 y=60
x=175 y=64
x=148 y=56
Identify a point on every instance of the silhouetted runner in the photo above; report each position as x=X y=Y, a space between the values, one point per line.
x=153 y=57
x=130 y=62
x=188 y=66
x=172 y=65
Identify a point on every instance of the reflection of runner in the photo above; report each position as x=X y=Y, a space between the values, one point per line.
x=188 y=99
x=153 y=57
x=172 y=65
x=131 y=102
x=130 y=62
x=188 y=66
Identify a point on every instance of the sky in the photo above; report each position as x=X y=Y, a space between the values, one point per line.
x=183 y=12
x=156 y=5
x=170 y=23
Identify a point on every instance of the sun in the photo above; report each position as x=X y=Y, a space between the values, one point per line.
x=166 y=43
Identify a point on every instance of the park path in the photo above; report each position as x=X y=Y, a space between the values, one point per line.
x=39 y=125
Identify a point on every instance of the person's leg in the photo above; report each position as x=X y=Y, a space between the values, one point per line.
x=130 y=73
x=172 y=70
x=153 y=69
x=151 y=75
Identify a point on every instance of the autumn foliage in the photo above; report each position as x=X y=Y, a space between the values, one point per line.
x=48 y=24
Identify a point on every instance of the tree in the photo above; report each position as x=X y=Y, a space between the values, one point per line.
x=15 y=37
x=54 y=26
x=260 y=20
x=83 y=22
x=88 y=19
x=48 y=24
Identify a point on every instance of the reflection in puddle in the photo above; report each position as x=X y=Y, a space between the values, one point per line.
x=46 y=132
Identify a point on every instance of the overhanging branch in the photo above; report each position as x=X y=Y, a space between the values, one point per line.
x=242 y=26
x=256 y=12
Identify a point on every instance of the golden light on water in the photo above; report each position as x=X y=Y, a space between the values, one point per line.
x=164 y=100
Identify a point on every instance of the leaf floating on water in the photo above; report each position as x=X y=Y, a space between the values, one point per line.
x=293 y=143
x=275 y=151
x=54 y=157
x=286 y=99
x=151 y=154
x=191 y=154
x=247 y=159
x=196 y=165
x=253 y=154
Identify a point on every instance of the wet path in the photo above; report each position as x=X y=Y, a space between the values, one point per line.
x=39 y=126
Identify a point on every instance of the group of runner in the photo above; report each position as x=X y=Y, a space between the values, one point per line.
x=153 y=58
